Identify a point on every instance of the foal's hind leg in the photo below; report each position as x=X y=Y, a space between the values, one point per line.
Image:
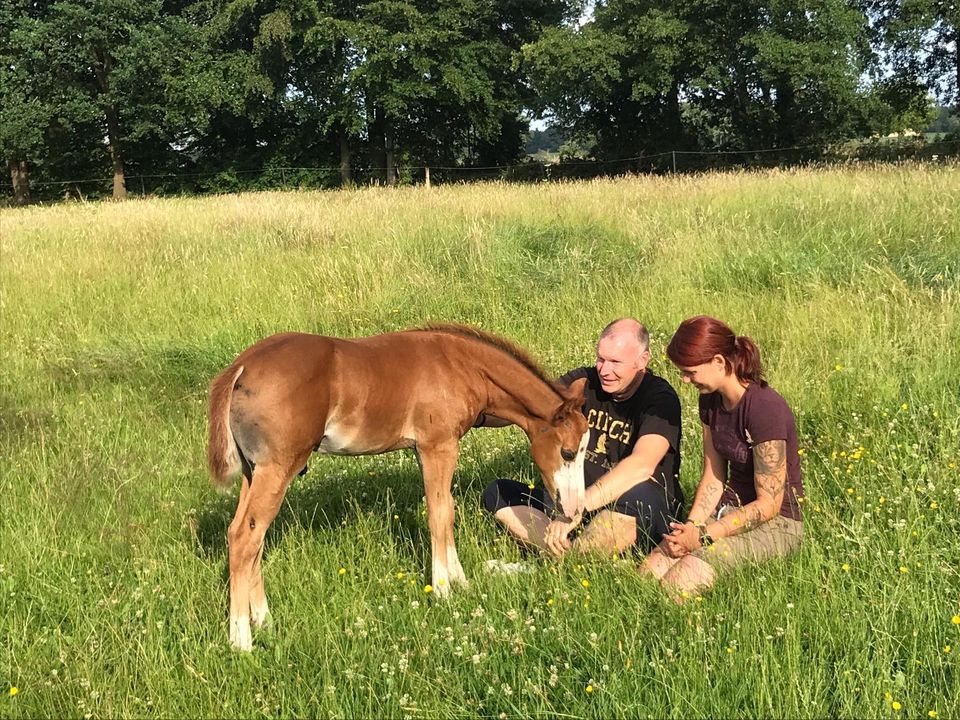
x=437 y=465
x=256 y=510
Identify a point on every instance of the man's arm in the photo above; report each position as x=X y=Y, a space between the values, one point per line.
x=634 y=469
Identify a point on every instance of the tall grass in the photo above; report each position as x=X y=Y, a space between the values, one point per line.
x=113 y=560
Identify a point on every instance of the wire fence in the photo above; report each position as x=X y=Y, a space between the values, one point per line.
x=533 y=170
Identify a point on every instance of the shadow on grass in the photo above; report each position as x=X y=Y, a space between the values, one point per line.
x=177 y=369
x=337 y=490
x=19 y=423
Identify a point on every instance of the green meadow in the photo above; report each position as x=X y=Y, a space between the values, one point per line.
x=114 y=318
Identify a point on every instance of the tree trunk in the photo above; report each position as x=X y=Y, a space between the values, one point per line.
x=20 y=178
x=956 y=64
x=390 y=157
x=101 y=69
x=346 y=173
x=741 y=112
x=786 y=115
x=113 y=140
x=674 y=120
x=377 y=141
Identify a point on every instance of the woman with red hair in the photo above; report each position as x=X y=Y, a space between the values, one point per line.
x=747 y=503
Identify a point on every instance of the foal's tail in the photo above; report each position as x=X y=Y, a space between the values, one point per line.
x=223 y=458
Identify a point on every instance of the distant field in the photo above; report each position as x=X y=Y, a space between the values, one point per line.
x=114 y=317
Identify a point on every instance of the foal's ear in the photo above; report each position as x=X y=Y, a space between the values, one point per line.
x=574 y=399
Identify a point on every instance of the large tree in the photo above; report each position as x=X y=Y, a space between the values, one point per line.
x=652 y=75
x=919 y=40
x=123 y=71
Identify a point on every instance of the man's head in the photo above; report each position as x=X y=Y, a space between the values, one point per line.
x=623 y=352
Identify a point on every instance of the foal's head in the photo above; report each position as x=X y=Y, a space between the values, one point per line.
x=558 y=447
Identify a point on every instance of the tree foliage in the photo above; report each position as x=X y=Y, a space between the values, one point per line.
x=236 y=92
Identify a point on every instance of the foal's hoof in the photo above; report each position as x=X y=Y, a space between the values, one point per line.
x=240 y=636
x=441 y=589
x=261 y=621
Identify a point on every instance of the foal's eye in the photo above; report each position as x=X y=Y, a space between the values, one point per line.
x=568 y=455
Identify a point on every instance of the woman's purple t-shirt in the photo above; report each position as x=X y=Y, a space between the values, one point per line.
x=761 y=415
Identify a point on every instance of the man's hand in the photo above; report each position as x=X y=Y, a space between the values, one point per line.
x=556 y=537
x=684 y=539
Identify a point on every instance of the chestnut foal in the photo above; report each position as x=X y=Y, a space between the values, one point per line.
x=293 y=394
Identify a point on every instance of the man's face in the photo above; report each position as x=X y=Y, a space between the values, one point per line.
x=620 y=363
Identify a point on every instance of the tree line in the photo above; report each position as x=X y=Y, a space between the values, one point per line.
x=213 y=89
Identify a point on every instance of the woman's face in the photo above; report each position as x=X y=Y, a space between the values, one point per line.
x=706 y=377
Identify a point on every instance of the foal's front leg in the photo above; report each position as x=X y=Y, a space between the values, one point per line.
x=437 y=464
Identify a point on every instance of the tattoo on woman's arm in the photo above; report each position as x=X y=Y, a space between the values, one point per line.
x=754 y=519
x=770 y=467
x=707 y=500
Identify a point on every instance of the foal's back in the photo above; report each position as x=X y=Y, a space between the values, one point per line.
x=353 y=396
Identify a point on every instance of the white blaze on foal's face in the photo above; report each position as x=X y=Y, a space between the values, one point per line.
x=559 y=449
x=569 y=480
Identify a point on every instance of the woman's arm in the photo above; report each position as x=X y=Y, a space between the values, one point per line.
x=711 y=483
x=770 y=479
x=685 y=537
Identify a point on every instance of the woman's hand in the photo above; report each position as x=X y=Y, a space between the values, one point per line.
x=684 y=539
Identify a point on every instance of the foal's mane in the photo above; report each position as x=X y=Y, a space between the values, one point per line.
x=495 y=341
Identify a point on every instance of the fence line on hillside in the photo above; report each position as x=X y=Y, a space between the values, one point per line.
x=669 y=161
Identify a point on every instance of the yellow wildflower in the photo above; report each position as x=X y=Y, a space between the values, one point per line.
x=589 y=688
x=585 y=583
x=428 y=588
x=14 y=690
x=845 y=567
x=896 y=706
x=932 y=714
x=955 y=619
x=947 y=648
x=904 y=569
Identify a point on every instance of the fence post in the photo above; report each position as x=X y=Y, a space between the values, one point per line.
x=674 y=154
x=426 y=175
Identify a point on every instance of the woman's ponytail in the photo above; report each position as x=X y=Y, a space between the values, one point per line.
x=746 y=360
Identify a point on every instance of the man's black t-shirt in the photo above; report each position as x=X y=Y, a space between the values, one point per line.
x=615 y=426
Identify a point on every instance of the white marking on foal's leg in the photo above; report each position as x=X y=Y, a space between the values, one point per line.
x=454 y=567
x=240 y=636
x=259 y=613
x=440 y=578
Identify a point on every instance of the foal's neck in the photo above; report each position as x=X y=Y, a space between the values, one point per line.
x=519 y=395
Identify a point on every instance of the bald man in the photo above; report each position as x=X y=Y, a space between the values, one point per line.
x=632 y=464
